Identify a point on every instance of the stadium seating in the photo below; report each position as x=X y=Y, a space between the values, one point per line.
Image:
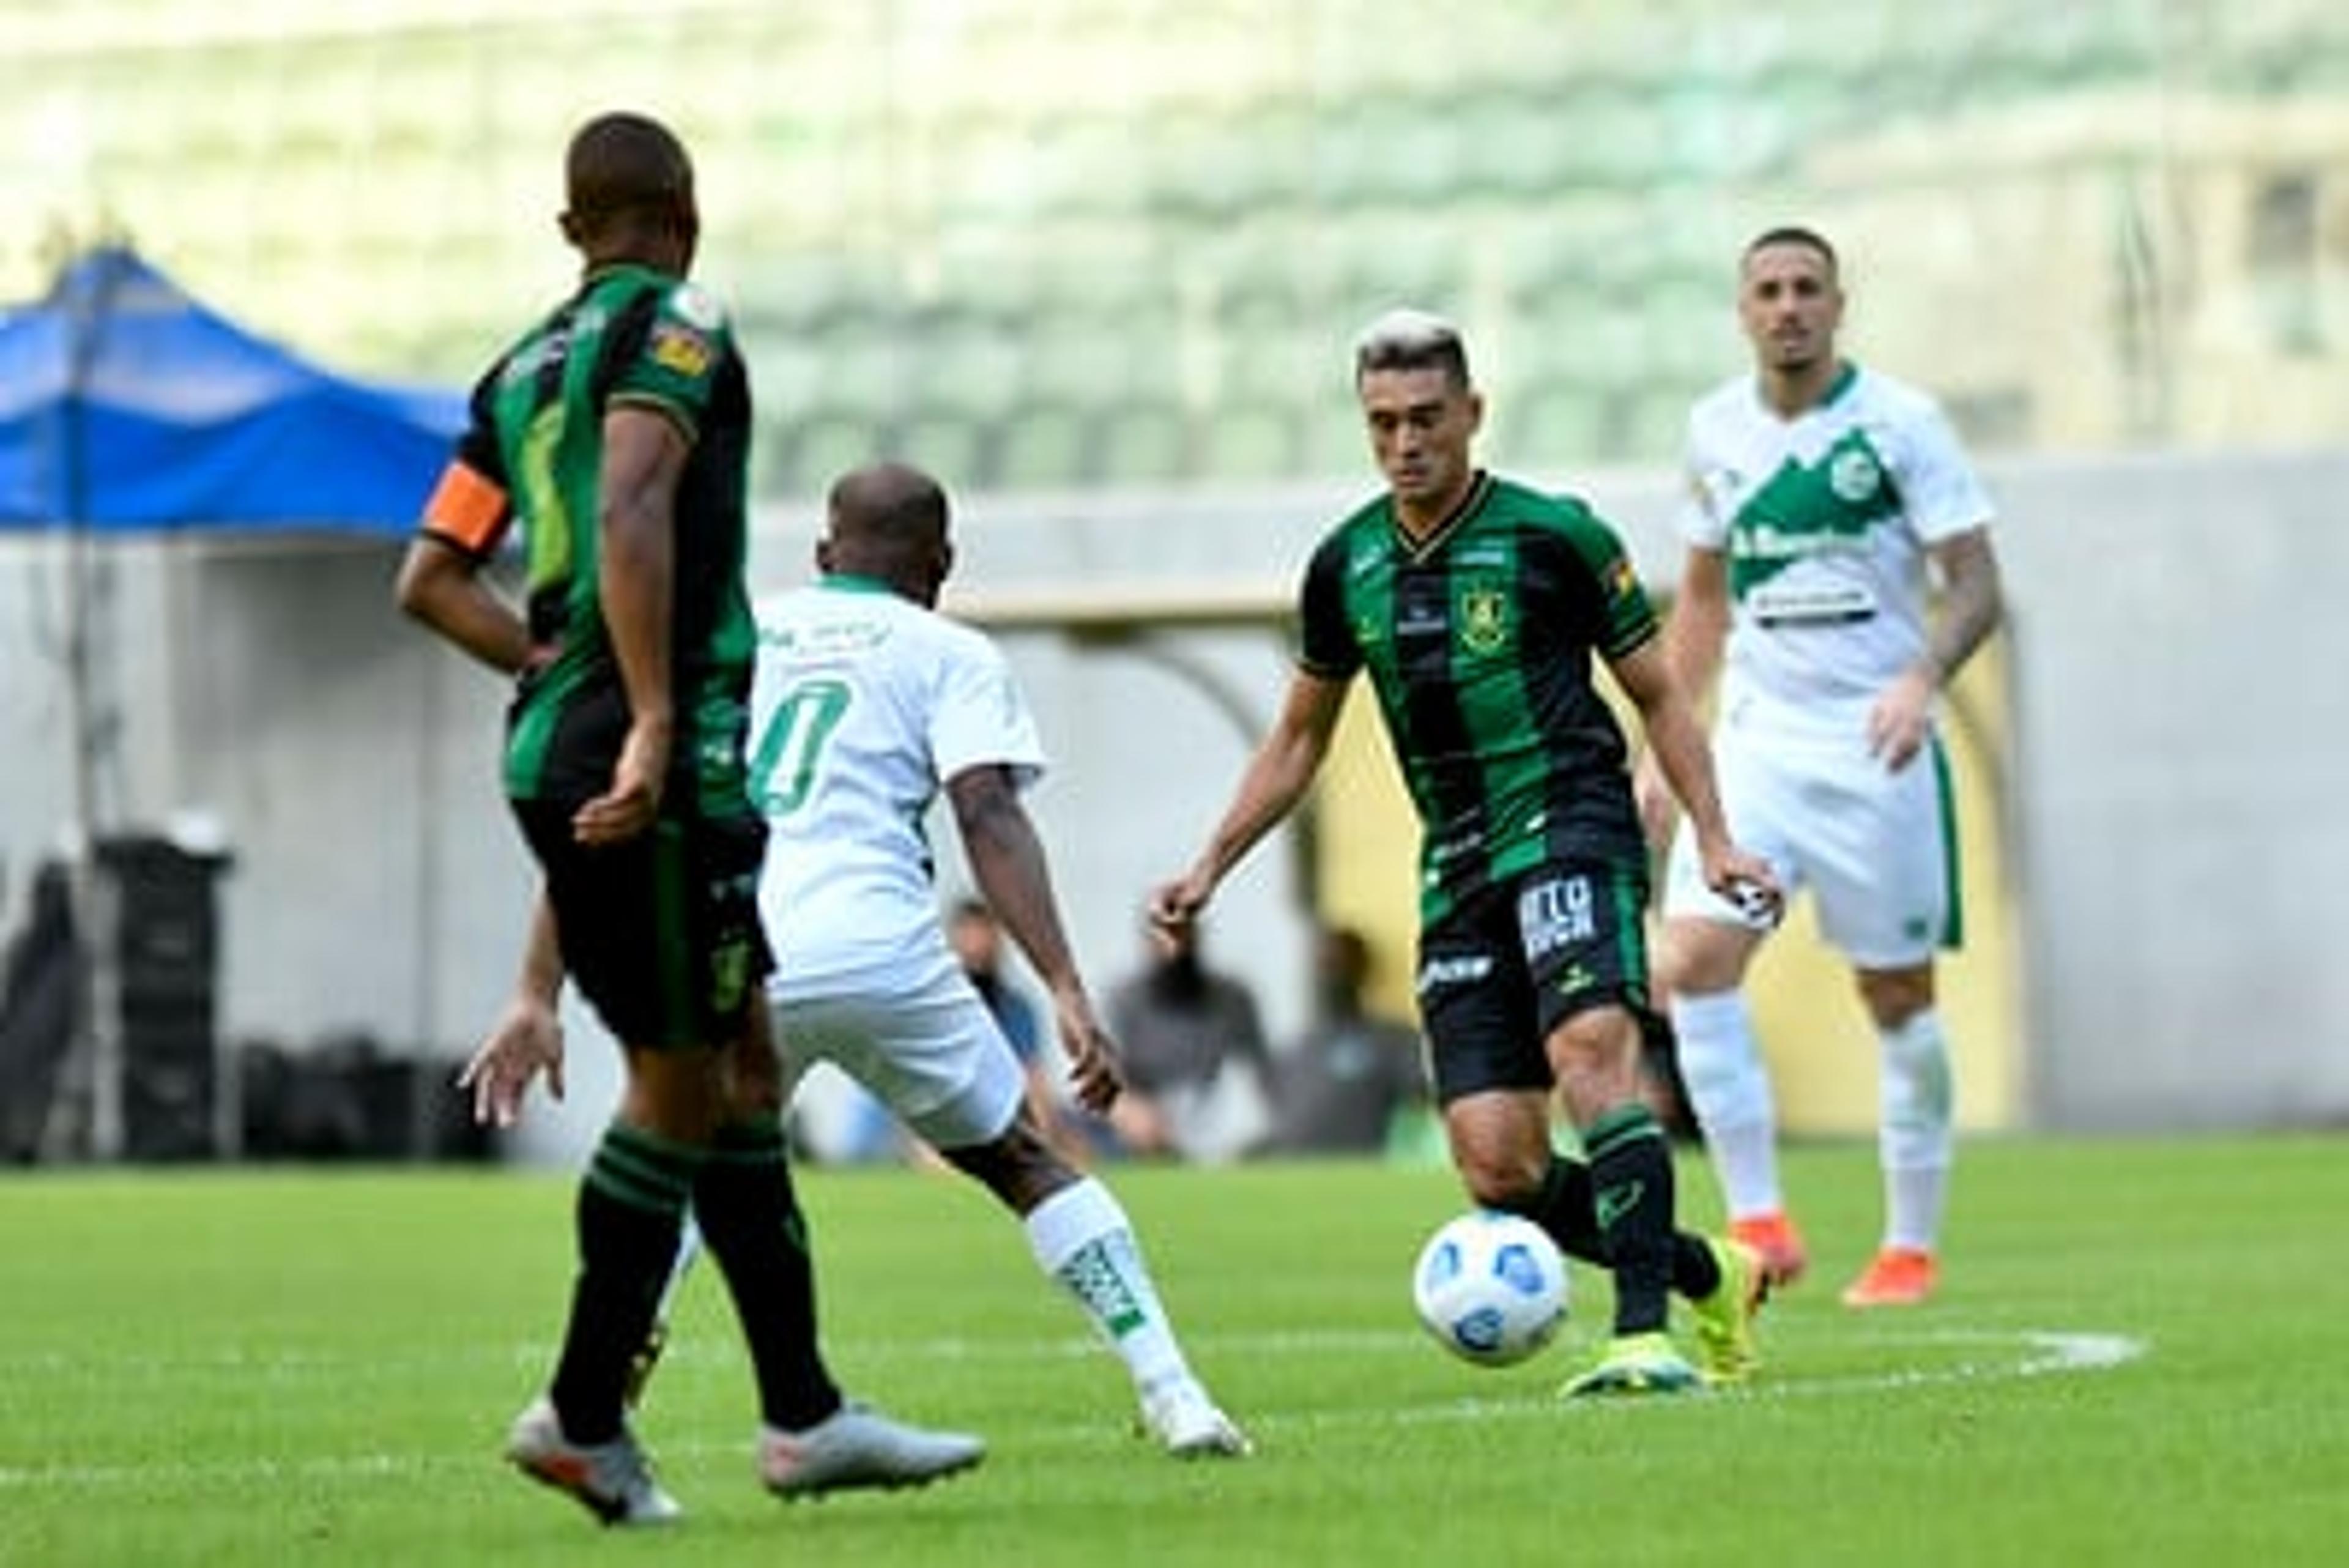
x=1146 y=273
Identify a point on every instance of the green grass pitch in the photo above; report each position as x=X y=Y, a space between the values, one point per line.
x=2137 y=1358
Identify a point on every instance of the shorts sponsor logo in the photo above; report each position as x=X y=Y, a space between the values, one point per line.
x=1575 y=979
x=1557 y=914
x=1466 y=968
x=730 y=976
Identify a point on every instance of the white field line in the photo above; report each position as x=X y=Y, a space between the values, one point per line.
x=2005 y=1354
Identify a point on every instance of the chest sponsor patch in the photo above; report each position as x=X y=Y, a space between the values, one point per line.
x=1776 y=604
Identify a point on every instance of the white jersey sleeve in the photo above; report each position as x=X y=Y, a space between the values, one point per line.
x=1944 y=497
x=980 y=718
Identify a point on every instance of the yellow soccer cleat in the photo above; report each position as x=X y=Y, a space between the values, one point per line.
x=1634 y=1365
x=1727 y=1351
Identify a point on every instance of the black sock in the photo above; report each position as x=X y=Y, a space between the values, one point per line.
x=1562 y=1207
x=1632 y=1197
x=750 y=1217
x=631 y=1207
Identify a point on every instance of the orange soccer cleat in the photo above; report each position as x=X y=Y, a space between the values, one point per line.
x=1780 y=1245
x=1897 y=1276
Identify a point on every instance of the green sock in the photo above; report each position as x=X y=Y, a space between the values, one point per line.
x=1562 y=1207
x=631 y=1206
x=1632 y=1197
x=750 y=1217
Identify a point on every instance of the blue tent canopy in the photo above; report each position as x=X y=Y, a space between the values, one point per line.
x=128 y=406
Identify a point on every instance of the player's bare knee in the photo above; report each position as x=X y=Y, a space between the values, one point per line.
x=1700 y=957
x=1019 y=1168
x=1894 y=996
x=1507 y=1184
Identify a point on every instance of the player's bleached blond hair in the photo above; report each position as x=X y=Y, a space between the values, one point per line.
x=1408 y=338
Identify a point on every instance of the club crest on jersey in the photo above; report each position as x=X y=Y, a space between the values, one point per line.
x=1484 y=619
x=1853 y=476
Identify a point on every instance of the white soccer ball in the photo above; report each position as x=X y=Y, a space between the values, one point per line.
x=1491 y=1287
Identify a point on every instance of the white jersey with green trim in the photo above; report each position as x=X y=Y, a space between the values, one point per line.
x=1824 y=520
x=863 y=705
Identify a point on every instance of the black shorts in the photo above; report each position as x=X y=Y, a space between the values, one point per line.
x=1498 y=973
x=661 y=933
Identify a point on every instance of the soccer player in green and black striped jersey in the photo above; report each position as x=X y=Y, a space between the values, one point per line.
x=1475 y=607
x=613 y=434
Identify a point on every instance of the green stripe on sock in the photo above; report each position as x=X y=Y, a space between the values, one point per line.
x=644 y=1171
x=749 y=1143
x=1621 y=1125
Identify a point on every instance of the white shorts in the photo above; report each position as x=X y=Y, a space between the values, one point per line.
x=1877 y=849
x=921 y=1041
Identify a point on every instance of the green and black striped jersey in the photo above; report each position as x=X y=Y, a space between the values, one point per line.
x=1478 y=642
x=630 y=336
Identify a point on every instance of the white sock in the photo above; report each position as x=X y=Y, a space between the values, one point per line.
x=1082 y=1238
x=1914 y=1143
x=1729 y=1089
x=689 y=1248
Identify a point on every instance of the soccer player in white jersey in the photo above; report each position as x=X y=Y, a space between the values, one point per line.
x=866 y=703
x=1822 y=496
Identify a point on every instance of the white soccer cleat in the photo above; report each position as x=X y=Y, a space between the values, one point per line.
x=611 y=1480
x=1189 y=1426
x=856 y=1446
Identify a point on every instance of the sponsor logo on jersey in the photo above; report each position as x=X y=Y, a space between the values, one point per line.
x=679 y=348
x=1622 y=581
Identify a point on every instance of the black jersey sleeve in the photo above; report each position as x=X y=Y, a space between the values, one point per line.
x=467 y=509
x=1326 y=643
x=671 y=353
x=1623 y=616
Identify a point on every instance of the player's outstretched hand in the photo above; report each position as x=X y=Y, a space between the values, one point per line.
x=1095 y=1075
x=527 y=1042
x=1178 y=905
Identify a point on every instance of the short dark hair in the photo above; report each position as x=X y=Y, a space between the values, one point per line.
x=1411 y=339
x=620 y=164
x=892 y=506
x=1791 y=234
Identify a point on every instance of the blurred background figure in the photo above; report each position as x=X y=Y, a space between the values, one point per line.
x=1342 y=1086
x=1183 y=1025
x=977 y=939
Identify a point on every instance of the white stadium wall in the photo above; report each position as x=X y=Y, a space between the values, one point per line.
x=2182 y=741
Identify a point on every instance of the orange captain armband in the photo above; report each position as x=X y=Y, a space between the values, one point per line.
x=466 y=509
